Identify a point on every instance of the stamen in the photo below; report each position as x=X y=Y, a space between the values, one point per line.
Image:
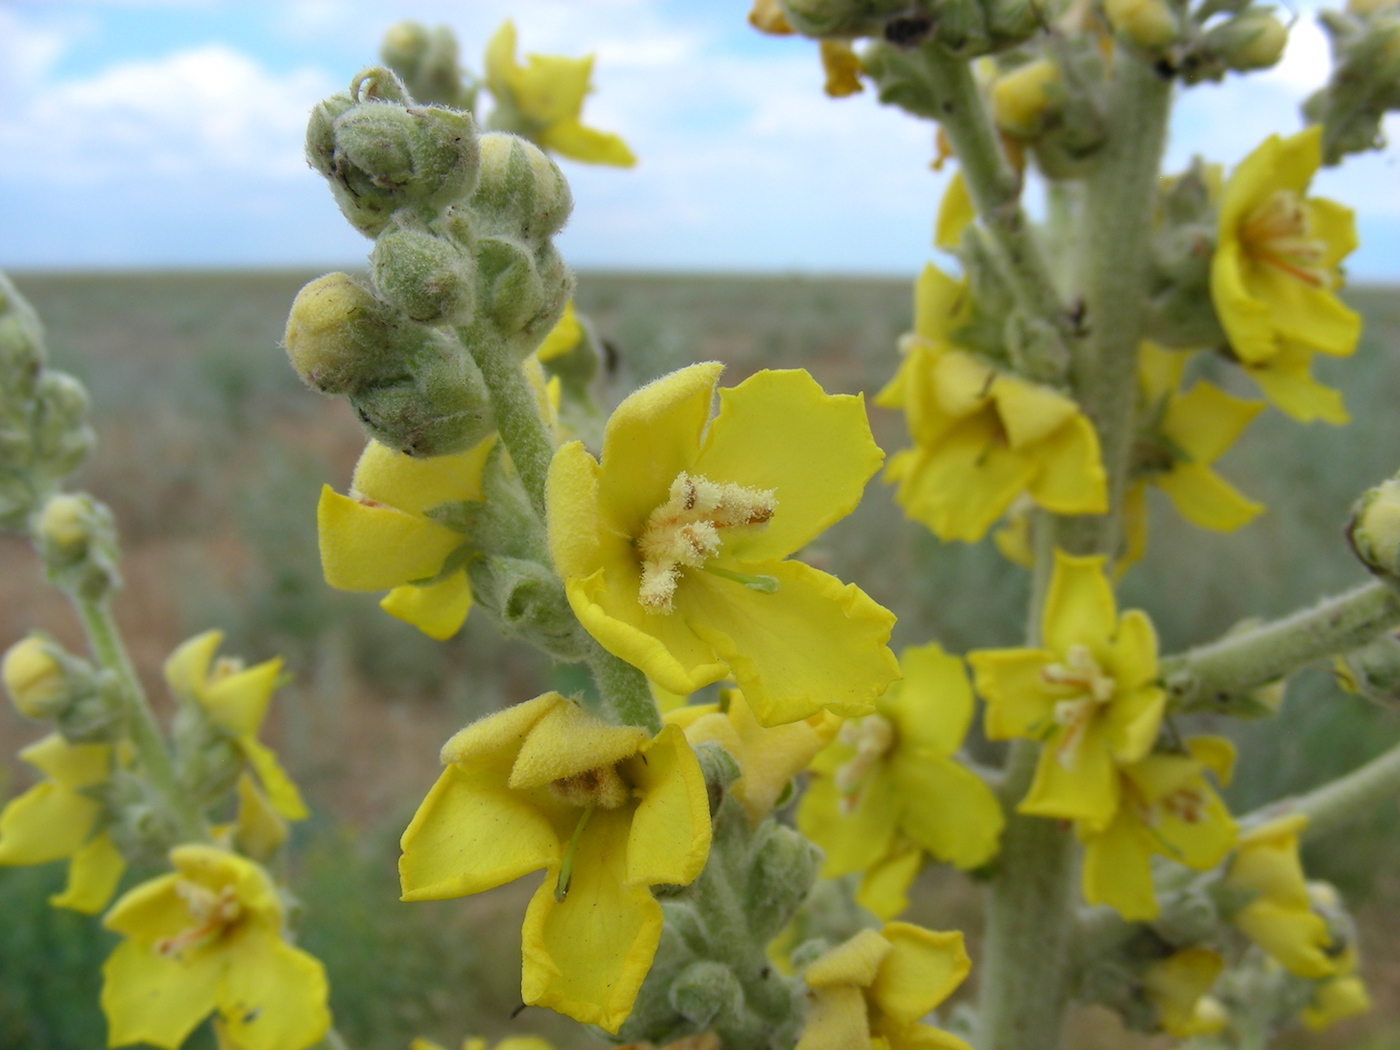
x=212 y=914
x=566 y=866
x=1279 y=234
x=1081 y=672
x=872 y=738
x=762 y=584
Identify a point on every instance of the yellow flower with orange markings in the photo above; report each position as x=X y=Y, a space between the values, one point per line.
x=1168 y=809
x=605 y=810
x=209 y=938
x=674 y=548
x=874 y=989
x=892 y=779
x=1089 y=694
x=1274 y=274
x=61 y=818
x=543 y=101
x=982 y=436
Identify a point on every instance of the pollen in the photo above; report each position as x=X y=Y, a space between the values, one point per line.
x=602 y=787
x=687 y=530
x=1279 y=234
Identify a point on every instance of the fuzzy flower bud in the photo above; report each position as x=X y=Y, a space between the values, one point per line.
x=1373 y=671
x=21 y=343
x=1024 y=99
x=426 y=277
x=519 y=192
x=845 y=18
x=78 y=540
x=1254 y=39
x=63 y=525
x=1150 y=24
x=33 y=678
x=63 y=438
x=337 y=335
x=427 y=60
x=1374 y=530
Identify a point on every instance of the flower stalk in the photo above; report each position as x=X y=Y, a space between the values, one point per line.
x=1345 y=799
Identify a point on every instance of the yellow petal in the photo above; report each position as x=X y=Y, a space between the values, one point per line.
x=1297 y=938
x=843 y=69
x=932 y=705
x=1205 y=499
x=238 y=702
x=260 y=830
x=1133 y=721
x=1200 y=843
x=470 y=834
x=851 y=841
x=853 y=963
x=153 y=999
x=770 y=758
x=941 y=304
x=437 y=609
x=947 y=809
x=963 y=383
x=921 y=970
x=187 y=668
x=1267 y=862
x=273 y=996
x=1205 y=421
x=1175 y=986
x=416 y=485
x=1217 y=753
x=955 y=211
x=1305 y=314
x=563 y=337
x=1335 y=225
x=836 y=1020
x=496 y=739
x=48 y=822
x=1246 y=319
x=815 y=643
x=1087 y=789
x=569 y=138
x=499 y=65
x=1030 y=412
x=884 y=889
x=1071 y=478
x=670 y=835
x=281 y=791
x=779 y=430
x=586 y=956
x=551 y=88
x=1336 y=1000
x=572 y=497
x=71 y=765
x=1288 y=383
x=1134 y=528
x=649 y=439
x=93 y=874
x=1132 y=656
x=1079 y=609
x=1118 y=870
x=1009 y=681
x=568 y=741
x=1159 y=372
x=374 y=548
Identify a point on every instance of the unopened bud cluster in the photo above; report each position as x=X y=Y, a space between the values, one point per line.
x=964 y=27
x=44 y=434
x=47 y=683
x=1365 y=81
x=426 y=60
x=1203 y=45
x=463 y=264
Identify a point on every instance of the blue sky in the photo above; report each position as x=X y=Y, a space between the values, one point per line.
x=140 y=133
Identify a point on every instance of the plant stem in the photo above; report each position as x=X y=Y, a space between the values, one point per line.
x=1343 y=800
x=626 y=695
x=517 y=413
x=1210 y=675
x=105 y=639
x=994 y=186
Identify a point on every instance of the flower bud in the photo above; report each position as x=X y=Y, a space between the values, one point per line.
x=78 y=540
x=63 y=437
x=784 y=870
x=519 y=191
x=427 y=61
x=1374 y=530
x=21 y=344
x=704 y=991
x=1374 y=671
x=63 y=525
x=843 y=18
x=1025 y=98
x=340 y=337
x=961 y=27
x=34 y=678
x=1150 y=24
x=528 y=601
x=1253 y=39
x=426 y=277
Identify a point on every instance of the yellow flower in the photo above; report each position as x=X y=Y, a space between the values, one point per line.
x=1177 y=986
x=1182 y=435
x=873 y=989
x=607 y=811
x=543 y=101
x=1338 y=998
x=955 y=212
x=981 y=435
x=208 y=937
x=60 y=818
x=842 y=68
x=768 y=758
x=1169 y=809
x=1275 y=270
x=1280 y=918
x=891 y=779
x=674 y=550
x=515 y=1042
x=381 y=536
x=1089 y=694
x=767 y=17
x=235 y=698
x=563 y=337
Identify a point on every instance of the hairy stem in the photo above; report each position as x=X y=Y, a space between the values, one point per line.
x=517 y=412
x=107 y=647
x=1210 y=675
x=1343 y=800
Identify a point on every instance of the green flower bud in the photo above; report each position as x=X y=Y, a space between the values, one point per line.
x=1027 y=98
x=63 y=437
x=1374 y=530
x=34 y=678
x=437 y=404
x=784 y=869
x=427 y=61
x=528 y=601
x=78 y=540
x=339 y=335
x=21 y=344
x=1150 y=24
x=426 y=277
x=1253 y=39
x=845 y=18
x=1374 y=671
x=520 y=192
x=64 y=525
x=207 y=761
x=961 y=27
x=706 y=990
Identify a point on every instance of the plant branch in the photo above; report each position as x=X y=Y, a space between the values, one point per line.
x=517 y=412
x=1343 y=800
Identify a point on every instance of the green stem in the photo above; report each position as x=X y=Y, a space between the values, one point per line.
x=994 y=186
x=1119 y=198
x=517 y=412
x=626 y=695
x=144 y=731
x=1210 y=675
x=1343 y=800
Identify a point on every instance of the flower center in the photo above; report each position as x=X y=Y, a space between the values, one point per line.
x=872 y=738
x=602 y=786
x=1279 y=234
x=686 y=532
x=211 y=912
x=1075 y=714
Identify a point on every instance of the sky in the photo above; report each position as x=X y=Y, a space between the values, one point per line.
x=159 y=133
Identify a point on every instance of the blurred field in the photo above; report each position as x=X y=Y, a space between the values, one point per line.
x=212 y=455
